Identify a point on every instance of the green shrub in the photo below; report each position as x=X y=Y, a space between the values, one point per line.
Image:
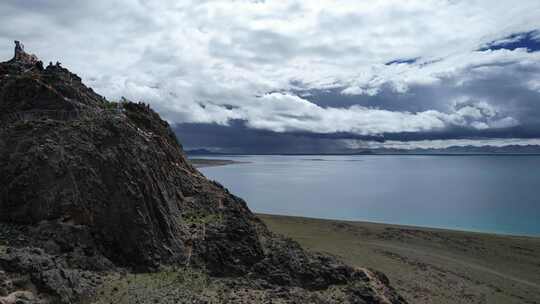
x=112 y=105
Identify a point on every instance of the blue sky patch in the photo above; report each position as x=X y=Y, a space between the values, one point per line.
x=403 y=60
x=529 y=40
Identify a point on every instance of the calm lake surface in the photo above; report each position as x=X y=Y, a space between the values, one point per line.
x=480 y=193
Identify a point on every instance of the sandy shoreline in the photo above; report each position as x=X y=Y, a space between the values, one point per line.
x=428 y=265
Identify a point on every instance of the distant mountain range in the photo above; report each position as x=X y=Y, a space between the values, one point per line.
x=457 y=150
x=510 y=149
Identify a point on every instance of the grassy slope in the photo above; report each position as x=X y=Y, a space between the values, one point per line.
x=428 y=265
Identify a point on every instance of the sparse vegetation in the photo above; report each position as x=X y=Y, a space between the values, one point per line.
x=172 y=285
x=22 y=125
x=111 y=105
x=203 y=219
x=188 y=285
x=197 y=223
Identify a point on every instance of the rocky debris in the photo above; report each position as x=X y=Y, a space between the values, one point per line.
x=107 y=185
x=72 y=243
x=286 y=263
x=18 y=297
x=49 y=273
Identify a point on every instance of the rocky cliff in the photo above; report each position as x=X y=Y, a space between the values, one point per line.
x=91 y=188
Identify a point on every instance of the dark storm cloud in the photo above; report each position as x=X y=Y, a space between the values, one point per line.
x=238 y=138
x=506 y=87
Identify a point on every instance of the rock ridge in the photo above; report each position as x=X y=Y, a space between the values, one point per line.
x=91 y=187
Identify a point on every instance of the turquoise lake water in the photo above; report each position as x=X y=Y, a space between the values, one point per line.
x=498 y=194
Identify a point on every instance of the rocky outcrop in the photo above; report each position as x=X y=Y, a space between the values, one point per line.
x=89 y=186
x=21 y=56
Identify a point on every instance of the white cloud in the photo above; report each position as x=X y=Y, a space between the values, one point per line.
x=285 y=113
x=442 y=143
x=534 y=84
x=214 y=61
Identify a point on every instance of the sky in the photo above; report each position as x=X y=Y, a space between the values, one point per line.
x=303 y=76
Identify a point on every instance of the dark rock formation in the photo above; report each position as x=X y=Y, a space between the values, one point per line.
x=89 y=186
x=22 y=56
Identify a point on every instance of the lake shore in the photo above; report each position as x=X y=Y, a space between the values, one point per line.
x=205 y=162
x=428 y=265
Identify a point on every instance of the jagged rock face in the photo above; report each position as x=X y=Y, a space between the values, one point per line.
x=113 y=180
x=123 y=175
x=120 y=172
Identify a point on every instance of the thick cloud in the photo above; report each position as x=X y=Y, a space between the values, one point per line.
x=238 y=138
x=391 y=69
x=441 y=144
